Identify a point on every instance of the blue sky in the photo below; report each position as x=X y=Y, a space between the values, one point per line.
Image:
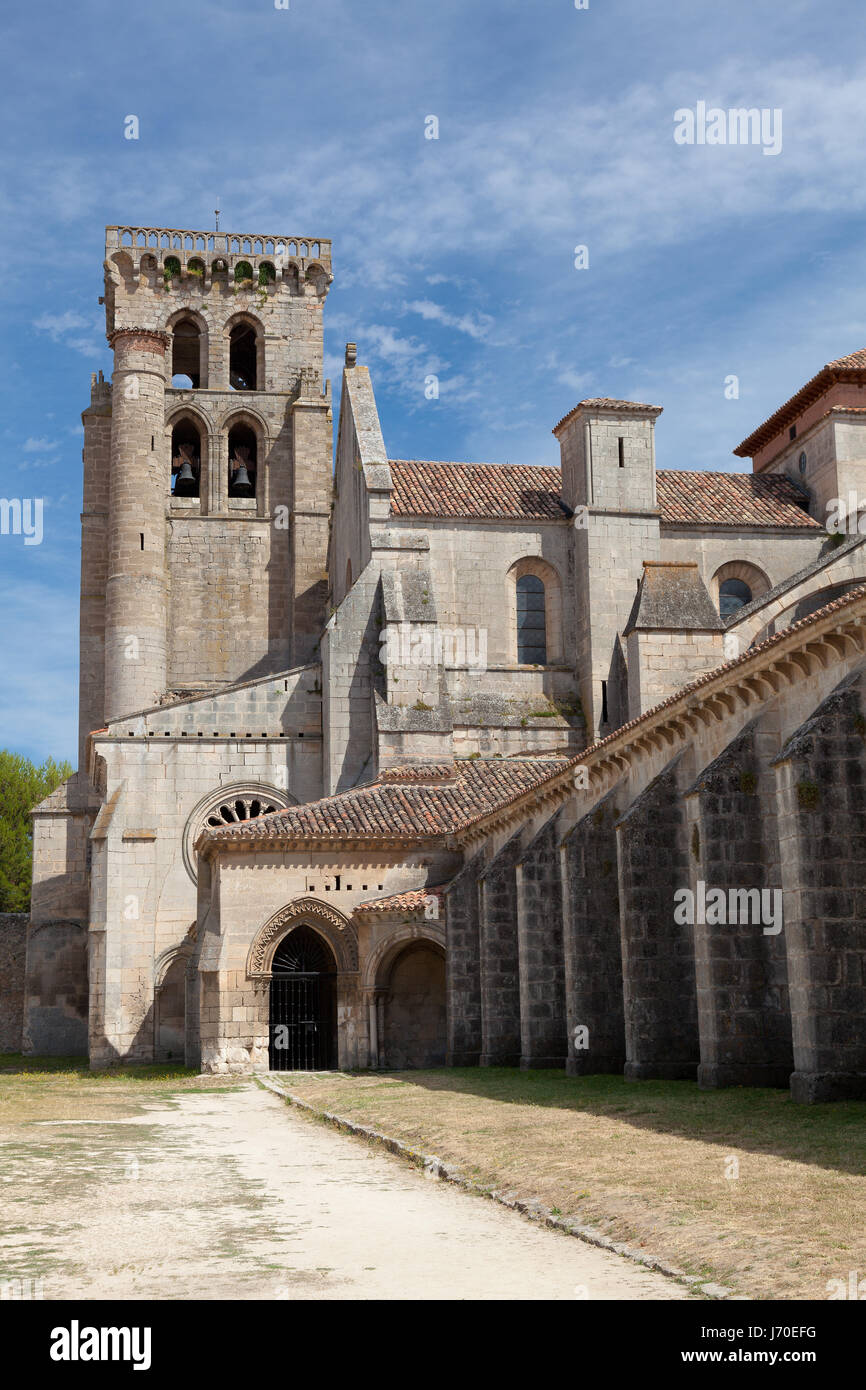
x=453 y=256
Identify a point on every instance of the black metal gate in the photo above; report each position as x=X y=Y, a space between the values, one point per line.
x=302 y=1010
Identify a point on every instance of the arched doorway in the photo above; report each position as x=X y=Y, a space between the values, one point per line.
x=414 y=1032
x=302 y=1032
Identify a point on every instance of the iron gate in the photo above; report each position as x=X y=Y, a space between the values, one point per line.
x=302 y=1012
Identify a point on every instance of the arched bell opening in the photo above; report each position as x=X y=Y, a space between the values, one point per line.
x=302 y=1026
x=188 y=354
x=186 y=457
x=243 y=357
x=243 y=461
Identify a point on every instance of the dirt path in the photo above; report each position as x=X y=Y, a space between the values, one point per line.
x=228 y=1194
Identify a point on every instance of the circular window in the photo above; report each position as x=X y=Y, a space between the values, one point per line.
x=230 y=806
x=241 y=808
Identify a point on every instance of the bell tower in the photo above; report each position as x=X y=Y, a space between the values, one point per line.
x=207 y=467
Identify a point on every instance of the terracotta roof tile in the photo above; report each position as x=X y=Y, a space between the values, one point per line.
x=731 y=499
x=388 y=808
x=413 y=901
x=493 y=491
x=608 y=403
x=485 y=490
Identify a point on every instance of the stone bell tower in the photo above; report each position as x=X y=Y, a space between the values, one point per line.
x=207 y=467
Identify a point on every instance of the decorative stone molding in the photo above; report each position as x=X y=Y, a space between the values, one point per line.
x=336 y=930
x=144 y=339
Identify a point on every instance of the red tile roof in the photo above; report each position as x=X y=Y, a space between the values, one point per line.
x=486 y=490
x=391 y=809
x=413 y=901
x=602 y=403
x=851 y=368
x=494 y=491
x=731 y=499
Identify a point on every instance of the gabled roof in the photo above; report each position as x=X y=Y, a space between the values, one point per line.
x=851 y=369
x=731 y=499
x=399 y=806
x=486 y=490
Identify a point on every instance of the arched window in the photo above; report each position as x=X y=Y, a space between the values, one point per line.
x=348 y=575
x=243 y=461
x=242 y=357
x=267 y=274
x=186 y=353
x=243 y=273
x=531 y=621
x=170 y=270
x=733 y=594
x=185 y=460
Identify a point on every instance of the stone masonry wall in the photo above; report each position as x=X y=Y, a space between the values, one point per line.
x=13 y=942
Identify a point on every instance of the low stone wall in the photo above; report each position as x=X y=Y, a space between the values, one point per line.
x=13 y=942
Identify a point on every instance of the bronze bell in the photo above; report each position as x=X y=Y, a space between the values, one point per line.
x=241 y=485
x=185 y=484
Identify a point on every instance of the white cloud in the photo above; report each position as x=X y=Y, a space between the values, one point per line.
x=476 y=326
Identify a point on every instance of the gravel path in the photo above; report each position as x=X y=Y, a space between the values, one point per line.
x=232 y=1195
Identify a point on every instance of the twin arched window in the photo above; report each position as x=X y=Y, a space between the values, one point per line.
x=189 y=451
x=189 y=365
x=531 y=621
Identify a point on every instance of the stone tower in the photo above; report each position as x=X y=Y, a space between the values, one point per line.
x=207 y=467
x=608 y=480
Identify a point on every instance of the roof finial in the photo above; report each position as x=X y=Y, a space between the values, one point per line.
x=216 y=213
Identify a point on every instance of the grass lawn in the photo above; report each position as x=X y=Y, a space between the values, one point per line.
x=648 y=1162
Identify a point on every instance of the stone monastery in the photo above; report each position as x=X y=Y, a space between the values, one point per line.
x=388 y=763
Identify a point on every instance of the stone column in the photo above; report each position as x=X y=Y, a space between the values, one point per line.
x=500 y=969
x=543 y=1036
x=658 y=955
x=744 y=1017
x=593 y=951
x=463 y=969
x=135 y=622
x=822 y=834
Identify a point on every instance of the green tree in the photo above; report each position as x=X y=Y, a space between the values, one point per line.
x=22 y=786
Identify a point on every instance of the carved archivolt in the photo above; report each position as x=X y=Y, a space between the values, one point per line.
x=336 y=929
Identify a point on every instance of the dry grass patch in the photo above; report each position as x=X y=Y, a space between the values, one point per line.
x=645 y=1162
x=58 y=1088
